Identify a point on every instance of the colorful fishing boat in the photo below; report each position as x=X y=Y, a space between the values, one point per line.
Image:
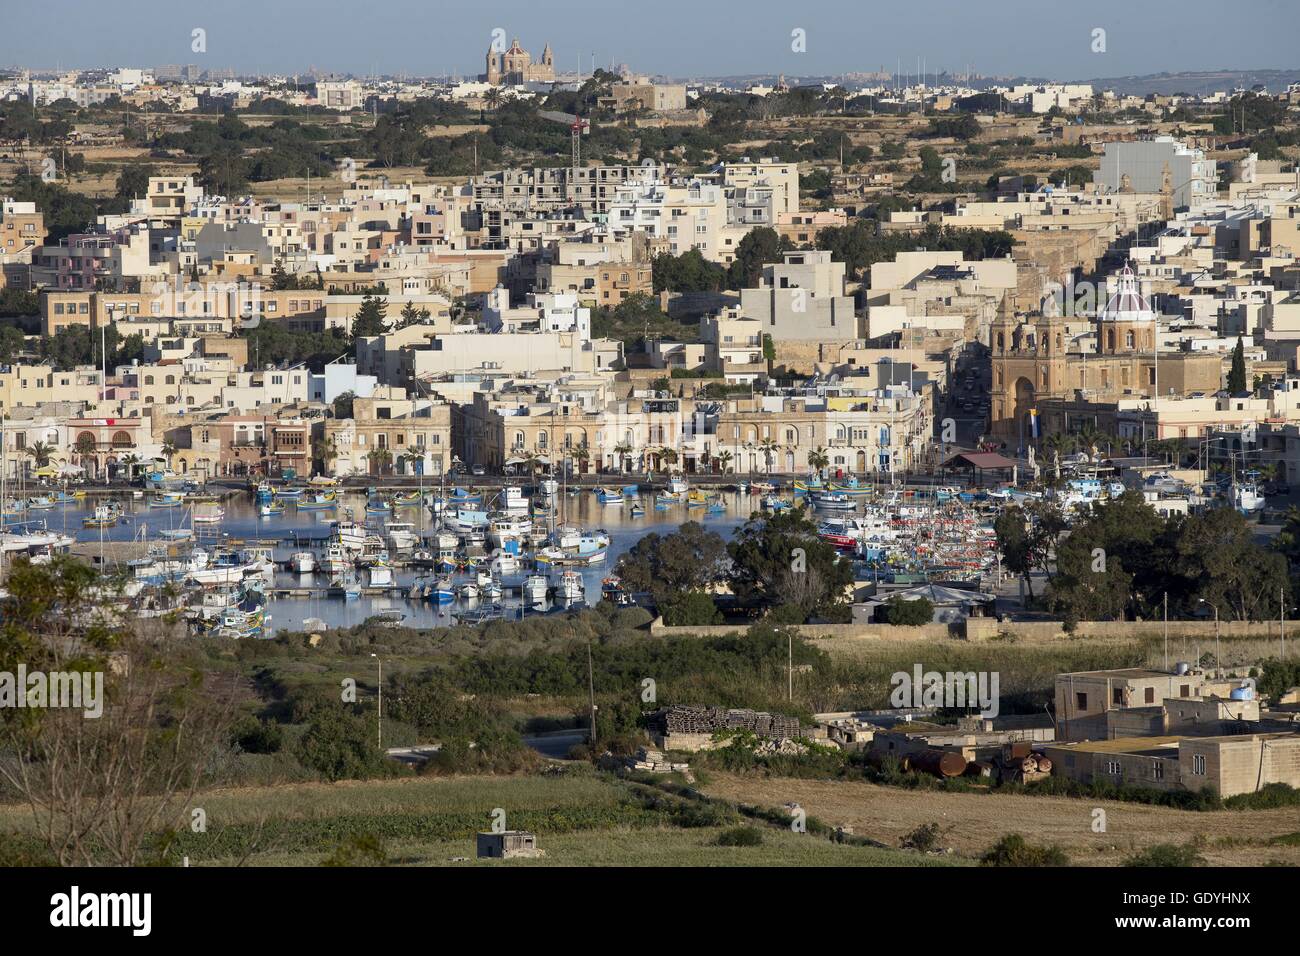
x=104 y=516
x=319 y=501
x=167 y=499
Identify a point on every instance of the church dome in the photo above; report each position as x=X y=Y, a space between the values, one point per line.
x=1128 y=304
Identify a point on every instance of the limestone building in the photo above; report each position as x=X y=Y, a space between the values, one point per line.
x=1042 y=370
x=515 y=66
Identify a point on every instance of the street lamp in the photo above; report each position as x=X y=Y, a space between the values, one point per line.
x=380 y=661
x=1216 y=629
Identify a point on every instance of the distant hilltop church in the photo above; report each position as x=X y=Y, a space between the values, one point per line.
x=516 y=67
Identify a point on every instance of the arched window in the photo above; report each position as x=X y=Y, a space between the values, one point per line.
x=122 y=440
x=148 y=379
x=1129 y=340
x=170 y=380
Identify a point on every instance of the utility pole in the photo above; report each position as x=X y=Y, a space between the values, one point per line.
x=1166 y=630
x=591 y=696
x=380 y=710
x=789 y=668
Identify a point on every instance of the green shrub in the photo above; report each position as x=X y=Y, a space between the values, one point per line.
x=1167 y=854
x=741 y=836
x=1012 y=850
x=924 y=838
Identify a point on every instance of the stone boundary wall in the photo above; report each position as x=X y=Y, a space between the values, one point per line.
x=990 y=629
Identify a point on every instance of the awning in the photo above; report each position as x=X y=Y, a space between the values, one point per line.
x=981 y=460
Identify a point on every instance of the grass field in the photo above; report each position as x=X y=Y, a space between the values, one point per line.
x=581 y=818
x=972 y=822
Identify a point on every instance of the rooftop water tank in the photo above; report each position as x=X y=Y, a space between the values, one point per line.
x=1182 y=667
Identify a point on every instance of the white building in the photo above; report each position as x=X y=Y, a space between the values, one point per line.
x=1144 y=162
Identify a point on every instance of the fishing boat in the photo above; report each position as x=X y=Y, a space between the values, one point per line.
x=303 y=562
x=225 y=568
x=468 y=592
x=335 y=559
x=176 y=534
x=762 y=488
x=378 y=506
x=505 y=529
x=211 y=514
x=742 y=488
x=773 y=503
x=168 y=499
x=289 y=494
x=264 y=492
x=504 y=562
x=269 y=509
x=631 y=491
x=832 y=501
x=322 y=481
x=379 y=575
x=318 y=501
x=104 y=516
x=401 y=535
x=612 y=589
x=40 y=503
x=536 y=588
x=492 y=590
x=1247 y=499
x=460 y=496
x=548 y=487
x=444 y=592
x=464 y=521
x=410 y=499
x=637 y=510
x=351 y=589
x=608 y=496
x=568 y=585
x=851 y=486
x=715 y=505
x=677 y=486
x=68 y=497
x=349 y=534
x=696 y=499
x=513 y=500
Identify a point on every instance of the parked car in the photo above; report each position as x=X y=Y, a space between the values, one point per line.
x=478 y=471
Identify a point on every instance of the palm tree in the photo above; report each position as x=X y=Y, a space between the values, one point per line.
x=582 y=454
x=819 y=460
x=85 y=449
x=325 y=451
x=667 y=457
x=130 y=463
x=768 y=447
x=622 y=450
x=492 y=98
x=1089 y=436
x=42 y=452
x=169 y=449
x=723 y=460
x=1059 y=444
x=380 y=460
x=410 y=458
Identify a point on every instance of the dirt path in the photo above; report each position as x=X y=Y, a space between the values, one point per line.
x=972 y=822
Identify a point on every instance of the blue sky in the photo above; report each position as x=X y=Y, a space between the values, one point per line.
x=1006 y=37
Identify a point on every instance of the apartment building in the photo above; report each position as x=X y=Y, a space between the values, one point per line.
x=390 y=435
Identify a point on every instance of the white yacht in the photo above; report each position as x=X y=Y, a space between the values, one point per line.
x=303 y=562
